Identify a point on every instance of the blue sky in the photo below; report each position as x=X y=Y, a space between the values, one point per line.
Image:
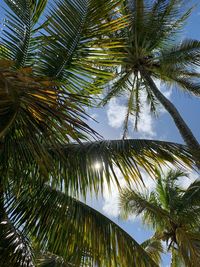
x=110 y=126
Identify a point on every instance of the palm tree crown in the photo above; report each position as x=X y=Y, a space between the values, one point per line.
x=173 y=213
x=151 y=53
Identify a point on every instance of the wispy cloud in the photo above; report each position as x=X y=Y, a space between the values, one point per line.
x=146 y=126
x=116 y=113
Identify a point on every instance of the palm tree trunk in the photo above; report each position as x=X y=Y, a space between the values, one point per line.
x=184 y=130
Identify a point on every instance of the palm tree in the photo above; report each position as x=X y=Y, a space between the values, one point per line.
x=172 y=212
x=50 y=61
x=151 y=54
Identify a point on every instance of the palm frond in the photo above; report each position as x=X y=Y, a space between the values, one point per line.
x=151 y=100
x=161 y=19
x=162 y=193
x=117 y=87
x=72 y=166
x=19 y=35
x=15 y=247
x=188 y=85
x=76 y=259
x=171 y=17
x=189 y=246
x=129 y=111
x=184 y=77
x=36 y=115
x=191 y=194
x=75 y=31
x=127 y=155
x=51 y=261
x=167 y=190
x=133 y=103
x=53 y=218
x=132 y=202
x=154 y=248
x=37 y=7
x=8 y=104
x=184 y=54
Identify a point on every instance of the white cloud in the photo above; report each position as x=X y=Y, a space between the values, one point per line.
x=146 y=126
x=111 y=196
x=184 y=182
x=146 y=122
x=115 y=113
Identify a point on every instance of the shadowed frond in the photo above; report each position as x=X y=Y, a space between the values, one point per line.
x=188 y=84
x=181 y=55
x=15 y=247
x=189 y=246
x=73 y=165
x=191 y=195
x=154 y=249
x=175 y=259
x=52 y=260
x=36 y=115
x=53 y=218
x=127 y=155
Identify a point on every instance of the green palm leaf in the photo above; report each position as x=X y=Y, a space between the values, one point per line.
x=154 y=249
x=76 y=29
x=72 y=166
x=175 y=259
x=187 y=52
x=53 y=218
x=19 y=35
x=145 y=205
x=189 y=246
x=191 y=194
x=38 y=117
